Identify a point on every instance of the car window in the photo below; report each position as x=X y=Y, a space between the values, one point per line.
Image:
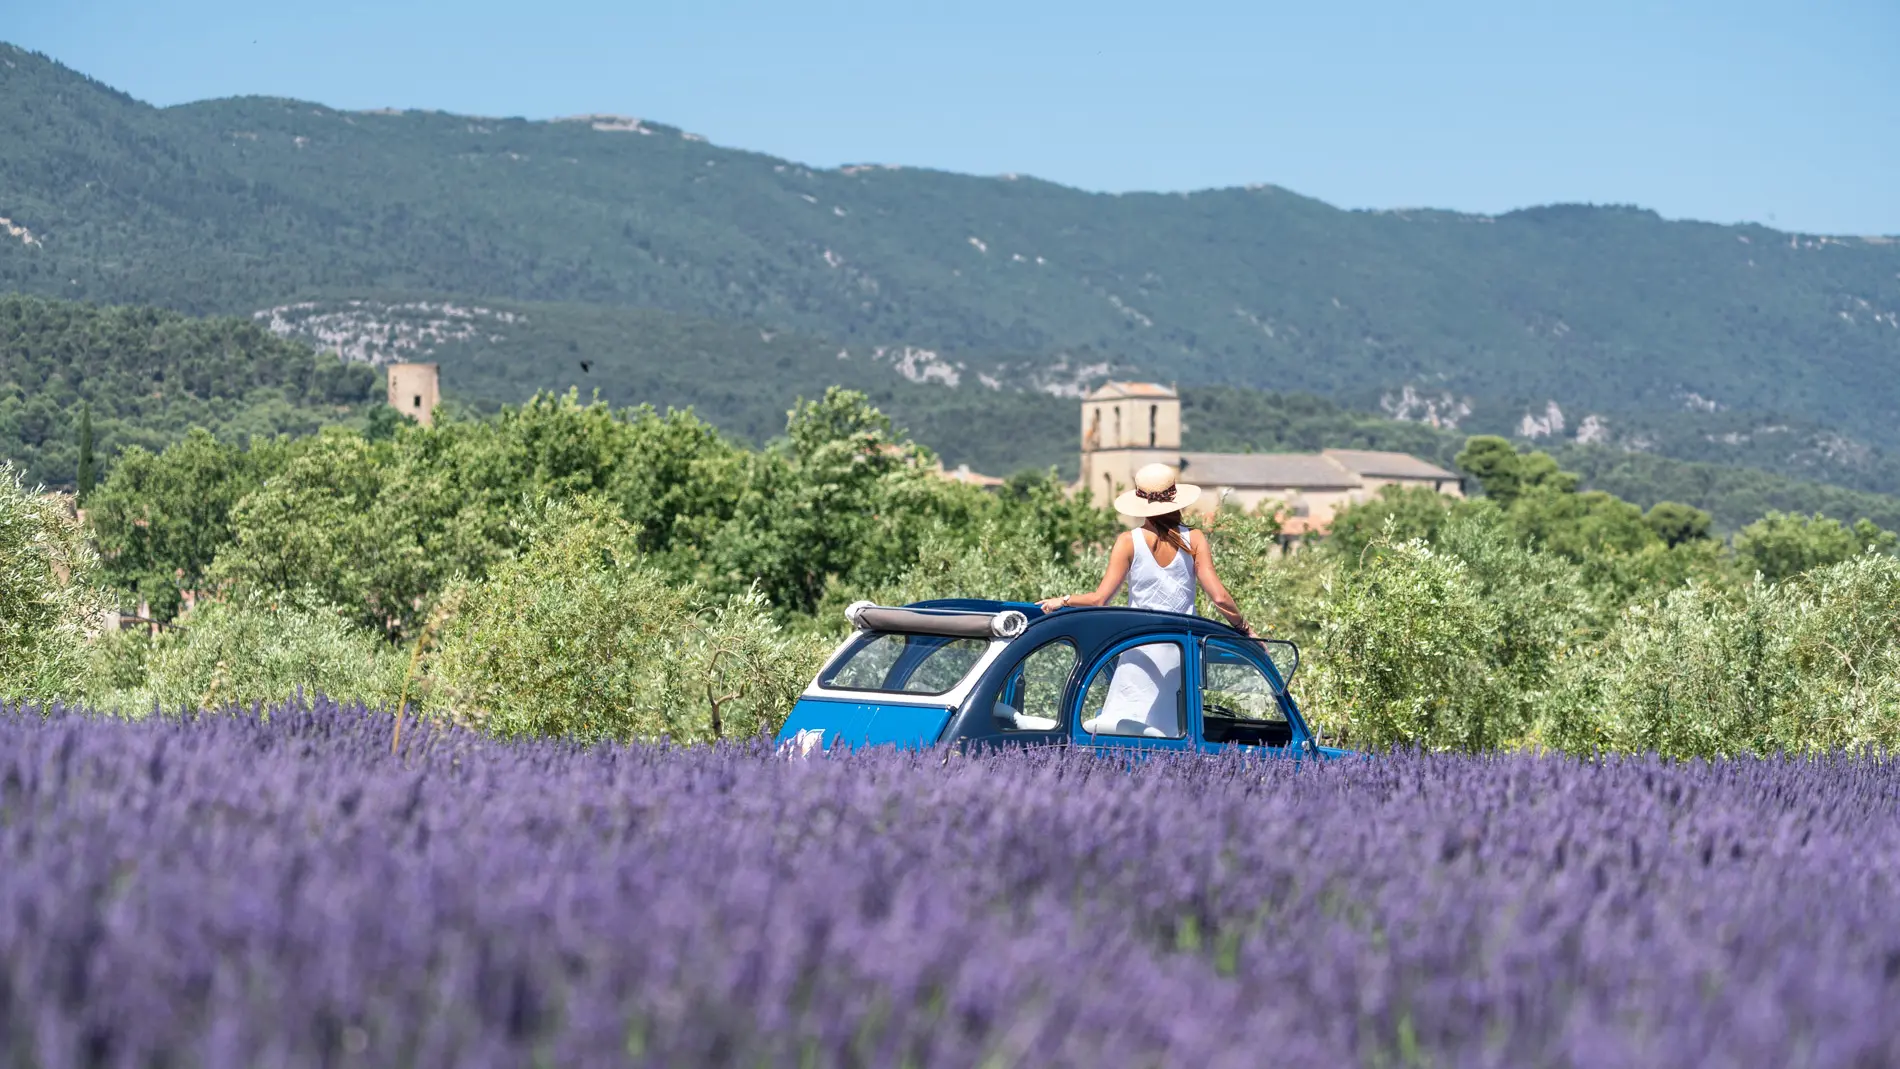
x=1031 y=698
x=1239 y=703
x=910 y=664
x=1285 y=656
x=1138 y=693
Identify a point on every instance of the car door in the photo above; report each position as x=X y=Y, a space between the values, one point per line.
x=1134 y=697
x=1243 y=704
x=1026 y=708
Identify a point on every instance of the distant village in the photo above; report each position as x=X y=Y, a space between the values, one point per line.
x=1128 y=424
x=1124 y=425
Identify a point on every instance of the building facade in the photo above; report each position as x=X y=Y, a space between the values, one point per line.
x=1126 y=425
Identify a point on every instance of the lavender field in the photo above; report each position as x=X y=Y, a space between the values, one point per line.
x=243 y=892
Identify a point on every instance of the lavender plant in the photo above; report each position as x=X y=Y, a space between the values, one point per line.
x=233 y=890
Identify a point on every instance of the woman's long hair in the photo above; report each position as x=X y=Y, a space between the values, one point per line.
x=1167 y=528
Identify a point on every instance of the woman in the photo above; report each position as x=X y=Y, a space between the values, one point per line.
x=1161 y=561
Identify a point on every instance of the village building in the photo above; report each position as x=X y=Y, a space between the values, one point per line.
x=1128 y=424
x=962 y=474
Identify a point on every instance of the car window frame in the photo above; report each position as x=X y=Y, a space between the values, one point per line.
x=827 y=677
x=1269 y=670
x=1191 y=704
x=1062 y=699
x=1282 y=678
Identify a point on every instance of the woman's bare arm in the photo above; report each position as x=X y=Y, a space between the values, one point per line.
x=1210 y=582
x=1118 y=560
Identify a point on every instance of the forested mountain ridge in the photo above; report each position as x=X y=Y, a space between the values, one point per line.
x=146 y=375
x=1498 y=323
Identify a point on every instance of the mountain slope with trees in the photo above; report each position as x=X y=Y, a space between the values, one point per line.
x=1533 y=321
x=142 y=376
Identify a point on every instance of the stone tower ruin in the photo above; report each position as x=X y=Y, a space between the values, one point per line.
x=415 y=390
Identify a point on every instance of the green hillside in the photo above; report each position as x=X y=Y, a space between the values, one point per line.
x=148 y=375
x=1218 y=418
x=1724 y=344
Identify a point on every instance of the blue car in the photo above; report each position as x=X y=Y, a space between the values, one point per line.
x=992 y=674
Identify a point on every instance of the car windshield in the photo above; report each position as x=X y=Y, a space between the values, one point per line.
x=905 y=664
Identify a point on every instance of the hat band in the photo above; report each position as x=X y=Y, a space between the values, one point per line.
x=1156 y=495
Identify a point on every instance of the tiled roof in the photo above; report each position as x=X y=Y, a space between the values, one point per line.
x=962 y=474
x=1388 y=465
x=1267 y=471
x=1111 y=390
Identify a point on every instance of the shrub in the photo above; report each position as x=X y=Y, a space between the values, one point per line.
x=1404 y=654
x=1543 y=606
x=1692 y=673
x=731 y=672
x=580 y=637
x=1808 y=664
x=48 y=601
x=1000 y=560
x=1842 y=631
x=255 y=648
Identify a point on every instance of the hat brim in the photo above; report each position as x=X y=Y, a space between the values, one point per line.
x=1132 y=504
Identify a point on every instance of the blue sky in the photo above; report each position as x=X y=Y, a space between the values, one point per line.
x=1782 y=113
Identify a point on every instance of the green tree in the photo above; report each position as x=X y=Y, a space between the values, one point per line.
x=1780 y=545
x=1504 y=473
x=86 y=476
x=824 y=505
x=1064 y=524
x=321 y=524
x=1576 y=525
x=1495 y=463
x=383 y=422
x=680 y=482
x=1676 y=523
x=160 y=519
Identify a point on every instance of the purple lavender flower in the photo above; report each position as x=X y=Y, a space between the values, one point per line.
x=238 y=891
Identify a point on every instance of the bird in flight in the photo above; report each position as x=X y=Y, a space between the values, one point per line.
x=587 y=365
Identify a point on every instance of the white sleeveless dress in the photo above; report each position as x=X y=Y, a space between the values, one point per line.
x=1144 y=695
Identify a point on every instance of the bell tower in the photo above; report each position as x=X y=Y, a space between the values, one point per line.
x=1126 y=425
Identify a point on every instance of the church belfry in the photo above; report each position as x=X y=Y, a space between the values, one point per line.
x=1126 y=425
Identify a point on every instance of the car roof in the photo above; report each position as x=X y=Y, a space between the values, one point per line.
x=1117 y=618
x=1027 y=608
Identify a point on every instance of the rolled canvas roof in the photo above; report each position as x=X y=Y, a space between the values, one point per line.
x=957 y=624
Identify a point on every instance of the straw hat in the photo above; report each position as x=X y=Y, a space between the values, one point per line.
x=1156 y=493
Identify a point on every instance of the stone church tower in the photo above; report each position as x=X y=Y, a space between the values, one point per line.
x=1124 y=426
